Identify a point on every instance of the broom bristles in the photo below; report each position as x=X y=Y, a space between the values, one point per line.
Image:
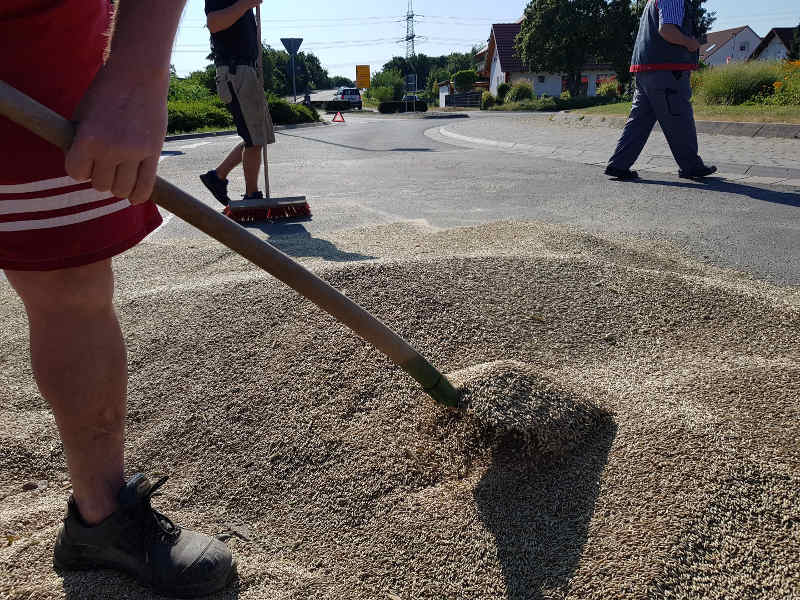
x=300 y=210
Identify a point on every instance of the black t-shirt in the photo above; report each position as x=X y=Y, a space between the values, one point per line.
x=239 y=43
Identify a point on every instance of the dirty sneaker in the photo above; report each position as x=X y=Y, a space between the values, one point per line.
x=218 y=187
x=142 y=542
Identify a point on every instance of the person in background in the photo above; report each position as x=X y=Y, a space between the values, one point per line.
x=665 y=54
x=235 y=46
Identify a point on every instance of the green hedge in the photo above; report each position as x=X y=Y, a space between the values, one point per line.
x=546 y=103
x=338 y=105
x=737 y=83
x=188 y=116
x=487 y=101
x=502 y=92
x=519 y=92
x=400 y=107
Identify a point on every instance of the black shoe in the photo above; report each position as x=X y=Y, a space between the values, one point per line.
x=622 y=174
x=253 y=196
x=218 y=187
x=145 y=544
x=698 y=174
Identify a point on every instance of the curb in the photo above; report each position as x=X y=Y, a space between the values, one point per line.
x=757 y=174
x=760 y=130
x=197 y=136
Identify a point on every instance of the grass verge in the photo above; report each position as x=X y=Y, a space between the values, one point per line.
x=705 y=112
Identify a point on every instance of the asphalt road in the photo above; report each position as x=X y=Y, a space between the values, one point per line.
x=375 y=170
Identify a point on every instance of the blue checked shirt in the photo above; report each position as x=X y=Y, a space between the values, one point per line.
x=671 y=12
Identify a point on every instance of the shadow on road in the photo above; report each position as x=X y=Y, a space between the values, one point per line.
x=295 y=240
x=731 y=187
x=539 y=513
x=359 y=148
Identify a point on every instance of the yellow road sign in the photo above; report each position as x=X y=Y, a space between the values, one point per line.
x=362 y=77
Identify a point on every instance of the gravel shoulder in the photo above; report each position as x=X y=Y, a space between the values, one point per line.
x=275 y=421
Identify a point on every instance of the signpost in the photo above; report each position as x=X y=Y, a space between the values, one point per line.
x=292 y=45
x=362 y=77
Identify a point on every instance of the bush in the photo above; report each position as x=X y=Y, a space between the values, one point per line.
x=738 y=83
x=608 y=89
x=284 y=113
x=187 y=90
x=337 y=105
x=465 y=80
x=548 y=104
x=387 y=108
x=566 y=95
x=520 y=92
x=382 y=93
x=185 y=116
x=487 y=101
x=502 y=92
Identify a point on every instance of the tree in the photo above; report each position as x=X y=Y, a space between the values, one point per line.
x=561 y=36
x=464 y=80
x=338 y=81
x=391 y=79
x=620 y=26
x=794 y=50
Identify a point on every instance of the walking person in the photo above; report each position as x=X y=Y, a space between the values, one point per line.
x=235 y=46
x=61 y=222
x=665 y=54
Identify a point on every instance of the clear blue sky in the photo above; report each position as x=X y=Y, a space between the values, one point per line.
x=365 y=32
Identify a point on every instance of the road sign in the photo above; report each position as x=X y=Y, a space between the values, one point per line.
x=339 y=118
x=292 y=45
x=362 y=77
x=411 y=82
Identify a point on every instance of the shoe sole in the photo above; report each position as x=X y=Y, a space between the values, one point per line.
x=224 y=200
x=186 y=591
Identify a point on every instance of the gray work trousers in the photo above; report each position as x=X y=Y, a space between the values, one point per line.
x=665 y=97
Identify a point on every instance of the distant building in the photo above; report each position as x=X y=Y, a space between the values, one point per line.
x=503 y=65
x=776 y=45
x=730 y=45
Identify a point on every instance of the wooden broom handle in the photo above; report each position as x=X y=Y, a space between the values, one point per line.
x=52 y=127
x=264 y=106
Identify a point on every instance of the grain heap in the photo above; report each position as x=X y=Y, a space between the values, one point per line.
x=351 y=484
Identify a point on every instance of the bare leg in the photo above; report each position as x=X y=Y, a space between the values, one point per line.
x=233 y=160
x=252 y=167
x=79 y=362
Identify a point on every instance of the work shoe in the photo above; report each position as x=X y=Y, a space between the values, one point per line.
x=253 y=196
x=698 y=174
x=622 y=174
x=142 y=542
x=218 y=187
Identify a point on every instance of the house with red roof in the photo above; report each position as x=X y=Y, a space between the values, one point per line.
x=503 y=65
x=776 y=44
x=729 y=45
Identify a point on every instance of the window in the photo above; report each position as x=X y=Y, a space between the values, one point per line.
x=744 y=47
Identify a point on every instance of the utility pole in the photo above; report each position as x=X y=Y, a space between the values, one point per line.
x=410 y=36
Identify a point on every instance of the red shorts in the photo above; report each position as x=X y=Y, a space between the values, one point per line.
x=48 y=221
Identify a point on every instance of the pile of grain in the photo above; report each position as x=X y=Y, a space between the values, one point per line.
x=351 y=484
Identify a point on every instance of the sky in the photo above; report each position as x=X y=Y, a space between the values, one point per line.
x=343 y=35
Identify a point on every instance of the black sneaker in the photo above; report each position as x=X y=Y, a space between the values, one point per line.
x=253 y=196
x=218 y=187
x=622 y=174
x=142 y=542
x=698 y=174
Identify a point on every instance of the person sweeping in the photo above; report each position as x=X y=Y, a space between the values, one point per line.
x=236 y=47
x=61 y=222
x=665 y=54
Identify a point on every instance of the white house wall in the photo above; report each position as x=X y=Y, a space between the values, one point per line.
x=496 y=76
x=739 y=49
x=551 y=84
x=775 y=50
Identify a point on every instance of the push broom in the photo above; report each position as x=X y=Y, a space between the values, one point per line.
x=52 y=127
x=268 y=208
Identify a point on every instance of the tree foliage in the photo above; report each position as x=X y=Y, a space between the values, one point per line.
x=464 y=80
x=561 y=36
x=794 y=50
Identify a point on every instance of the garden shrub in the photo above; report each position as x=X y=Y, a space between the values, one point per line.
x=464 y=80
x=502 y=92
x=608 y=89
x=519 y=92
x=487 y=101
x=738 y=83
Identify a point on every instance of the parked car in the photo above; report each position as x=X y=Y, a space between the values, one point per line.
x=351 y=95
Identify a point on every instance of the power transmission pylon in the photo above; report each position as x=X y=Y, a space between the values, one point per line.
x=410 y=36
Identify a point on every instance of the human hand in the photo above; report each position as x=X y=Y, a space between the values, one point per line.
x=693 y=45
x=120 y=133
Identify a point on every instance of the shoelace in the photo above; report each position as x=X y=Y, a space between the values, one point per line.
x=160 y=525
